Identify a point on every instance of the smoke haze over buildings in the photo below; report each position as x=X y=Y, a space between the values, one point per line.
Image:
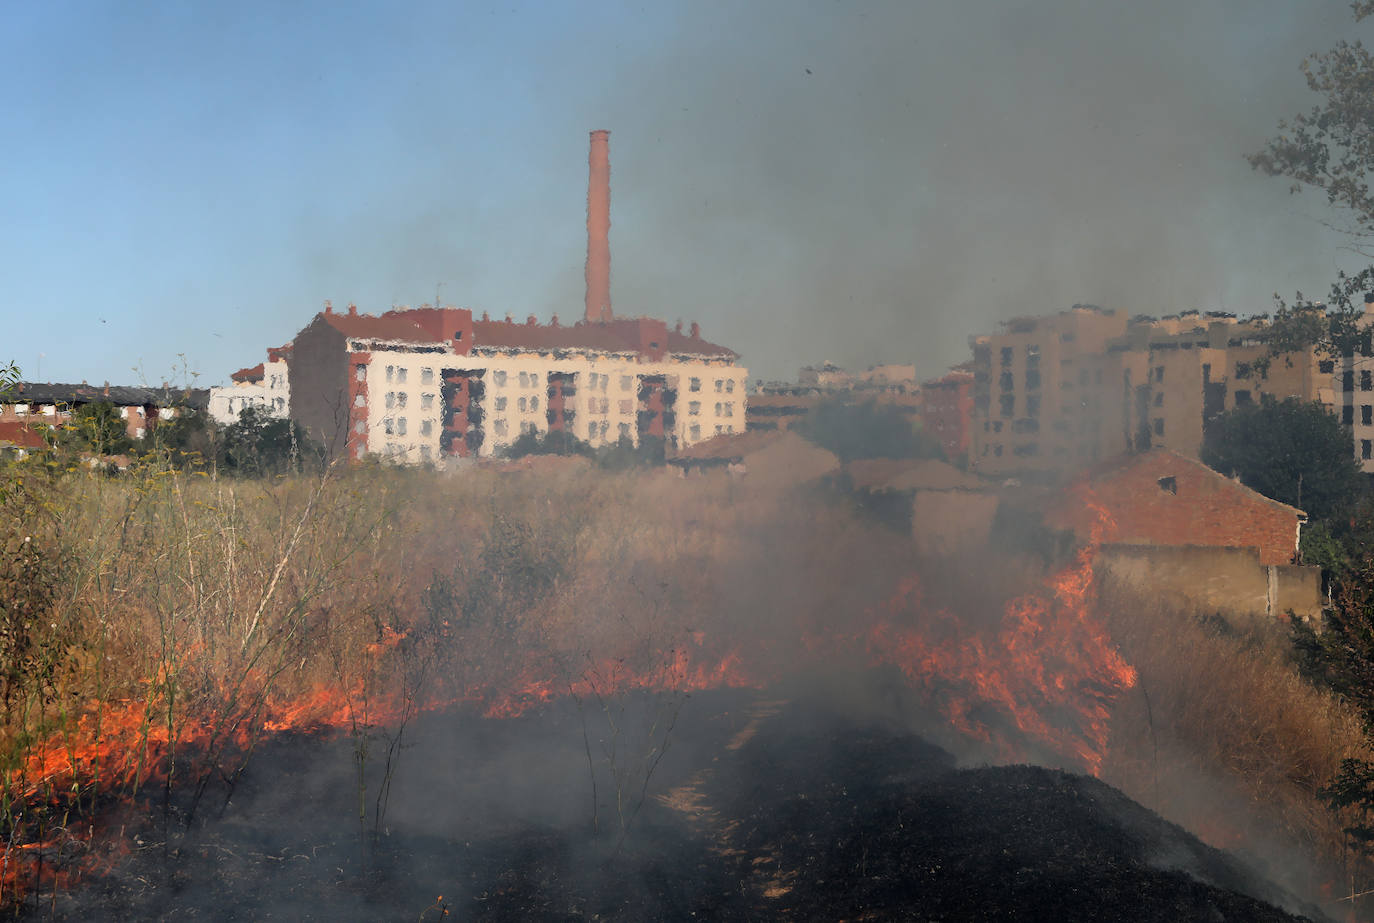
x=856 y=182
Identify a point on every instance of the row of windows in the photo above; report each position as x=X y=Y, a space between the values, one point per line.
x=1366 y=380
x=1366 y=414
x=398 y=426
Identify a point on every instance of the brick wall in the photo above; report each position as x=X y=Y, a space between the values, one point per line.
x=1160 y=498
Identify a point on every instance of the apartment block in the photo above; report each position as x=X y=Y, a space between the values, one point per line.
x=427 y=385
x=1055 y=393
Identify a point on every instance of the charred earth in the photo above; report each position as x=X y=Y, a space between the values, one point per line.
x=761 y=807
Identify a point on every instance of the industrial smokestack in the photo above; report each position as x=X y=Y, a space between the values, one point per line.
x=599 y=229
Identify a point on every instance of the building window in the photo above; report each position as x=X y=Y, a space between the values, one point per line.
x=498 y=377
x=1032 y=380
x=389 y=426
x=1032 y=405
x=719 y=384
x=1347 y=381
x=717 y=408
x=501 y=403
x=605 y=380
x=401 y=426
x=426 y=427
x=1169 y=484
x=627 y=382
x=360 y=427
x=1348 y=414
x=534 y=402
x=359 y=400
x=401 y=375
x=390 y=373
x=1366 y=414
x=521 y=404
x=1326 y=366
x=1006 y=356
x=360 y=372
x=524 y=379
x=1008 y=404
x=1242 y=398
x=426 y=453
x=1159 y=373
x=1159 y=426
x=1159 y=398
x=390 y=399
x=401 y=397
x=500 y=427
x=426 y=376
x=1366 y=380
x=694 y=384
x=426 y=401
x=1365 y=447
x=693 y=408
x=1005 y=382
x=694 y=431
x=729 y=409
x=729 y=386
x=624 y=430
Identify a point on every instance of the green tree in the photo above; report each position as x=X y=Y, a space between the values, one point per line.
x=1292 y=451
x=96 y=429
x=1330 y=148
x=259 y=444
x=867 y=430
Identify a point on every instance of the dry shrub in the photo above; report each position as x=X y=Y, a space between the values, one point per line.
x=1222 y=735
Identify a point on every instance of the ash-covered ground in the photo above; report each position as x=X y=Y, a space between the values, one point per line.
x=764 y=805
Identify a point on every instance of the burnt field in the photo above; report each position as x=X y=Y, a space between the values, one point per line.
x=762 y=807
x=566 y=694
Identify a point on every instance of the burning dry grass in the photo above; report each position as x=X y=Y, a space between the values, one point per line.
x=188 y=617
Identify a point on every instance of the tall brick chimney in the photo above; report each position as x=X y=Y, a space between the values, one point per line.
x=599 y=229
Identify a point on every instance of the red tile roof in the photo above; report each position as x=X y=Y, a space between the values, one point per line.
x=253 y=374
x=391 y=326
x=623 y=335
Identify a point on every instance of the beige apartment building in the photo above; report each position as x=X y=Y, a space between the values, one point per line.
x=1056 y=393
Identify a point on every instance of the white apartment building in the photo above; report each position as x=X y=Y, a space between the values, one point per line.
x=431 y=384
x=266 y=386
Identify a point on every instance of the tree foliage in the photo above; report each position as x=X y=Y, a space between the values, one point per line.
x=1292 y=451
x=868 y=430
x=96 y=429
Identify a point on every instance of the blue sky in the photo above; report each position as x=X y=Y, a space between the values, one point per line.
x=184 y=184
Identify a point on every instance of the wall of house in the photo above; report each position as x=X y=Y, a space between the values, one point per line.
x=1229 y=580
x=951 y=521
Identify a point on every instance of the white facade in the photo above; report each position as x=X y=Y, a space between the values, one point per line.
x=405 y=405
x=271 y=394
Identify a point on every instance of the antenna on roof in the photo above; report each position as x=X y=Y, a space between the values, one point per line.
x=437 y=286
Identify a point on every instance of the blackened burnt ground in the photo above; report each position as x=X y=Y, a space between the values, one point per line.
x=763 y=807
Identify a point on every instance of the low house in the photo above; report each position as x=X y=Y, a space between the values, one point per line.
x=1171 y=524
x=32 y=407
x=780 y=459
x=947 y=510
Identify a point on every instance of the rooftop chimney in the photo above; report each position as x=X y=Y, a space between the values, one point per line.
x=599 y=229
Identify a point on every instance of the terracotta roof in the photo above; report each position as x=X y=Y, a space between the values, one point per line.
x=392 y=326
x=1119 y=464
x=910 y=474
x=727 y=448
x=253 y=374
x=618 y=336
x=21 y=433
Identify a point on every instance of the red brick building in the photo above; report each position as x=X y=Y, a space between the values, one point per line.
x=947 y=411
x=1164 y=499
